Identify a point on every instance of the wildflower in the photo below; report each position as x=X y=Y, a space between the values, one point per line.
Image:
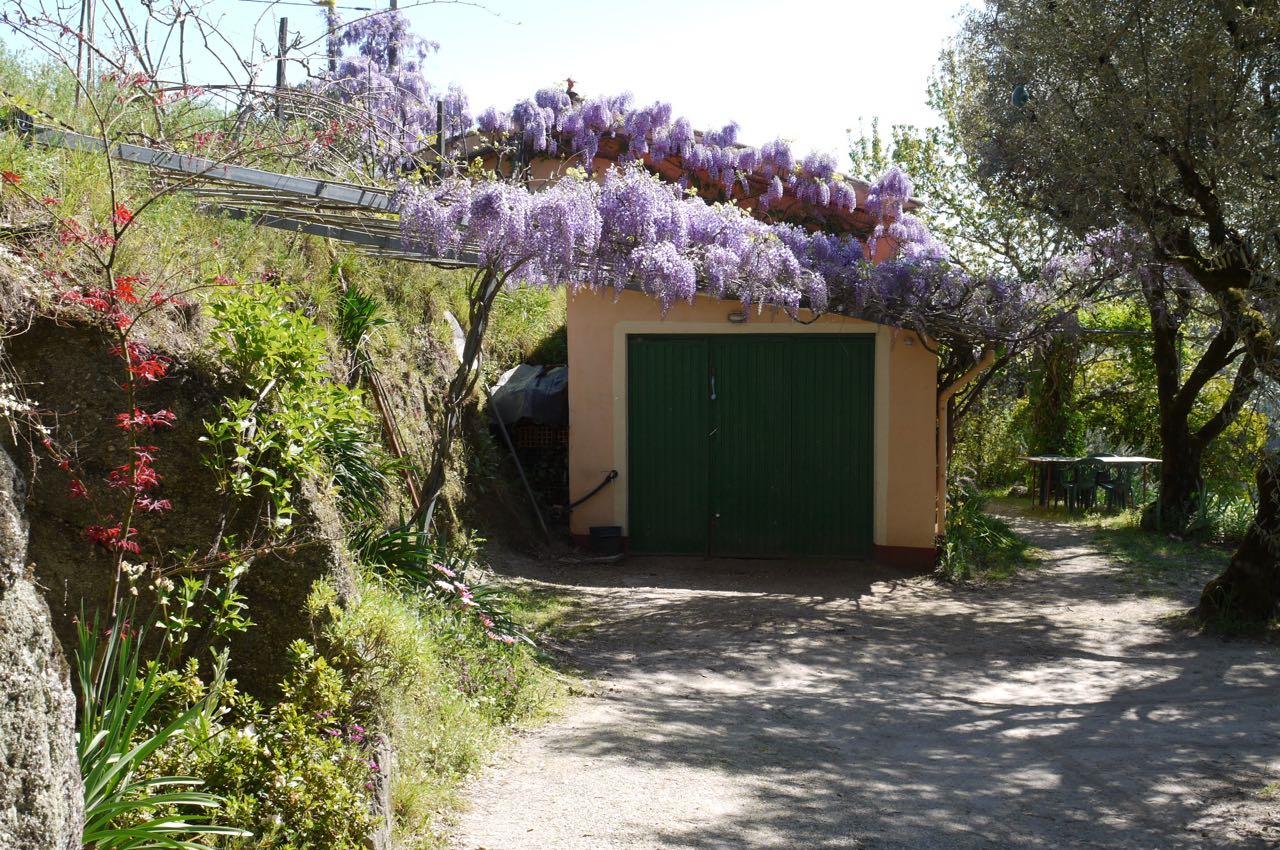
x=50 y=201
x=122 y=215
x=10 y=177
x=78 y=490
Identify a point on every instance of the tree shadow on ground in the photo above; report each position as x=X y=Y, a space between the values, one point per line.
x=860 y=708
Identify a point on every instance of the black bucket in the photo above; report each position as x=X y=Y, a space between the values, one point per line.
x=606 y=539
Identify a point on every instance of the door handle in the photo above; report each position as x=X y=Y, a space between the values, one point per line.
x=713 y=387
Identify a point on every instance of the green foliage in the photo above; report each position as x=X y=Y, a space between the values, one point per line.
x=360 y=470
x=526 y=326
x=208 y=602
x=126 y=807
x=298 y=774
x=278 y=433
x=442 y=687
x=1221 y=519
x=1053 y=420
x=978 y=546
x=358 y=316
x=992 y=441
x=438 y=568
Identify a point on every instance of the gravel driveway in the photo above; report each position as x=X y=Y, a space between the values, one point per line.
x=780 y=705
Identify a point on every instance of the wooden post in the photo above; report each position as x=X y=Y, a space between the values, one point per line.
x=84 y=14
x=393 y=52
x=91 y=37
x=331 y=17
x=283 y=46
x=940 y=504
x=440 y=136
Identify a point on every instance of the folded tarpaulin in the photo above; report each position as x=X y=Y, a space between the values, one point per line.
x=537 y=394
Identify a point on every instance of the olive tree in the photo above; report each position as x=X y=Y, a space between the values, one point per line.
x=1164 y=116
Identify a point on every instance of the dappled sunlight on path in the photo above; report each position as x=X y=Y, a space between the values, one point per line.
x=782 y=705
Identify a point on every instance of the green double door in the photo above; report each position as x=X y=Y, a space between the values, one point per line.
x=750 y=445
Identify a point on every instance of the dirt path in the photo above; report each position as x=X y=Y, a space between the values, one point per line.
x=772 y=705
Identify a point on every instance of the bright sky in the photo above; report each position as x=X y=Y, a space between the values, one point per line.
x=805 y=70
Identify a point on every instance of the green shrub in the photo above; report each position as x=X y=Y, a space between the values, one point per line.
x=297 y=775
x=295 y=420
x=977 y=545
x=1221 y=518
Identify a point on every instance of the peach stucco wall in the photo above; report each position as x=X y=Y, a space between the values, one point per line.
x=905 y=379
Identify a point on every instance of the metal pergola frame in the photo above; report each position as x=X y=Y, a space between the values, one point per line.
x=357 y=215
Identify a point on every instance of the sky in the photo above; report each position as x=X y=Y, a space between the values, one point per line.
x=804 y=70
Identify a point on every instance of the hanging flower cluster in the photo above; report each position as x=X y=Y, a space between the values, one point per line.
x=632 y=230
x=552 y=123
x=382 y=80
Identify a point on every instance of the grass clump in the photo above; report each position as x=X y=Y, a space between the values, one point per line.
x=442 y=688
x=979 y=547
x=1155 y=564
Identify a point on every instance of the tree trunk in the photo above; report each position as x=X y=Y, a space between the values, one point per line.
x=1249 y=591
x=1053 y=387
x=1181 y=484
x=1182 y=450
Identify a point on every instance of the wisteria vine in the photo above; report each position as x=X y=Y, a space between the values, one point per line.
x=383 y=76
x=632 y=230
x=382 y=79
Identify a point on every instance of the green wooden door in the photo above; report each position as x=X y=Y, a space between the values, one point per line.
x=752 y=493
x=751 y=445
x=668 y=413
x=832 y=404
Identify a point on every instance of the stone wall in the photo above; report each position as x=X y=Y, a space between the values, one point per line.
x=41 y=800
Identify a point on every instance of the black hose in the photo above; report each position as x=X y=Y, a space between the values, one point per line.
x=613 y=473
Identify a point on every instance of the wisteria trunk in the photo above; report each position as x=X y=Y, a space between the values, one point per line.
x=463 y=384
x=1248 y=592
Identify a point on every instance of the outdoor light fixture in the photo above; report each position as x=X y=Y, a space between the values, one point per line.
x=737 y=317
